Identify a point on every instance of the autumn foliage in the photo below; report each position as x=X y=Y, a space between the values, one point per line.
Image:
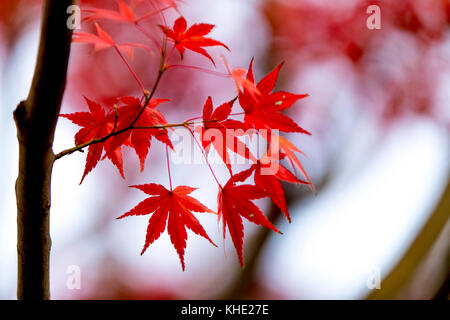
x=136 y=122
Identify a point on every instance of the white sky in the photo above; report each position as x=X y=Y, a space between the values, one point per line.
x=361 y=223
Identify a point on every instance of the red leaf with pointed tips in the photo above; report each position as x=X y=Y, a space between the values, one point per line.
x=125 y=14
x=193 y=38
x=263 y=111
x=140 y=139
x=103 y=41
x=241 y=82
x=96 y=125
x=220 y=133
x=234 y=203
x=288 y=148
x=173 y=208
x=166 y=3
x=268 y=176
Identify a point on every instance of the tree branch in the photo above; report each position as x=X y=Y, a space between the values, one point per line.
x=113 y=133
x=80 y=147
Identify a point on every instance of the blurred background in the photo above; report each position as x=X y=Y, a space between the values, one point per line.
x=379 y=114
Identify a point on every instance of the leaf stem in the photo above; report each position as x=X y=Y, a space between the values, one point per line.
x=151 y=14
x=148 y=35
x=168 y=167
x=161 y=12
x=204 y=155
x=200 y=117
x=116 y=118
x=130 y=69
x=182 y=66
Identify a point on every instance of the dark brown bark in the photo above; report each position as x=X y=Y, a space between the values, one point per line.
x=36 y=119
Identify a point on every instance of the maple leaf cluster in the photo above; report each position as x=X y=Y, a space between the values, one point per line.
x=134 y=122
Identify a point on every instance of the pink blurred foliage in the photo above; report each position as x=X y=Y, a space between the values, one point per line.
x=103 y=77
x=398 y=67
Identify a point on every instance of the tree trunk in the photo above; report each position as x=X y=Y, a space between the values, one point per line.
x=36 y=119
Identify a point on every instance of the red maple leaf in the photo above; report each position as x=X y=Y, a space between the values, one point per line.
x=170 y=3
x=96 y=125
x=264 y=111
x=288 y=149
x=140 y=138
x=234 y=203
x=103 y=41
x=241 y=82
x=125 y=14
x=165 y=3
x=173 y=208
x=268 y=176
x=193 y=38
x=220 y=132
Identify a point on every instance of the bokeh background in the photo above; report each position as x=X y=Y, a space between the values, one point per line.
x=379 y=113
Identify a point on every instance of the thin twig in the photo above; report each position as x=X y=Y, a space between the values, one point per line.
x=80 y=147
x=110 y=135
x=148 y=97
